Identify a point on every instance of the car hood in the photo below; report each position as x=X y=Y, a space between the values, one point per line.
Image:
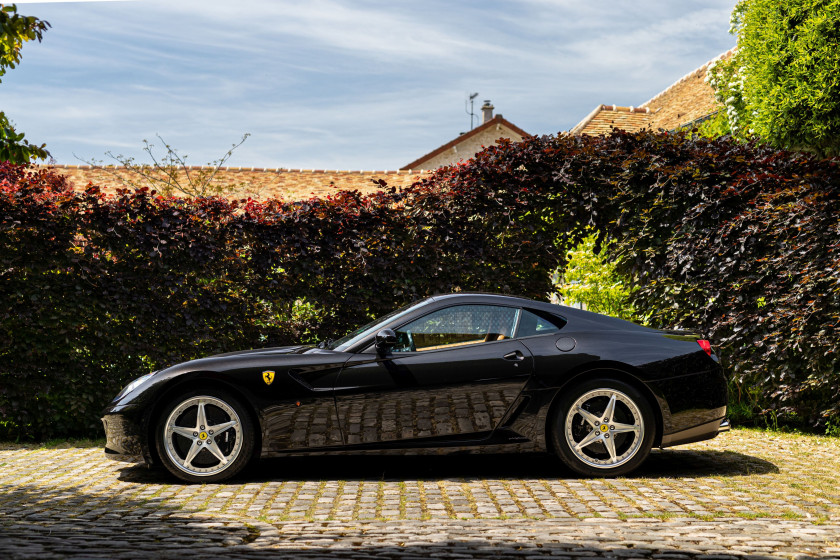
x=234 y=360
x=301 y=349
x=222 y=364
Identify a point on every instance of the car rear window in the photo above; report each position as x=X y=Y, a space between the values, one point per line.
x=533 y=322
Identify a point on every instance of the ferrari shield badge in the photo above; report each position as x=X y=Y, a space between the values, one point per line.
x=268 y=377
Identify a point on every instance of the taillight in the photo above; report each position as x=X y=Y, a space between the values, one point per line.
x=706 y=346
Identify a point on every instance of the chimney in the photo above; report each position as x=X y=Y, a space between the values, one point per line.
x=486 y=111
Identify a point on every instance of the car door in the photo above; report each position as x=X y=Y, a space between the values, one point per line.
x=453 y=373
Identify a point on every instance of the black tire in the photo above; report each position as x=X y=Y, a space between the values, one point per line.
x=210 y=451
x=617 y=446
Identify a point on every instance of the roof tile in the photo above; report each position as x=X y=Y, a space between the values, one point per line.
x=685 y=101
x=260 y=183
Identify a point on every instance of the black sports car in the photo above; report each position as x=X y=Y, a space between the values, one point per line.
x=459 y=372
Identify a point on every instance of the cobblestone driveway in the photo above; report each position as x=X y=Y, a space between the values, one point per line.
x=743 y=495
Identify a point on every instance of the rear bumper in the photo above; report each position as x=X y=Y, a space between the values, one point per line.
x=702 y=432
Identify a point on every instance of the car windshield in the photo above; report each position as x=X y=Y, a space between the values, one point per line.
x=373 y=327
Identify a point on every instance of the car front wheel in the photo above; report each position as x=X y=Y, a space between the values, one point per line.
x=204 y=436
x=603 y=427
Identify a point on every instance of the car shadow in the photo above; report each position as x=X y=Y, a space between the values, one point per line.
x=660 y=464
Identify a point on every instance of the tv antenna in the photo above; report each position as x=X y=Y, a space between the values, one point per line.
x=471 y=112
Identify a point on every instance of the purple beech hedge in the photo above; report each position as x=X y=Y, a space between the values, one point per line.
x=739 y=241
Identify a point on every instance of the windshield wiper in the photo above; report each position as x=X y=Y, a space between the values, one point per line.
x=325 y=343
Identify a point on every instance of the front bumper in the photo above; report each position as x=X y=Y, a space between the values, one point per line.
x=124 y=441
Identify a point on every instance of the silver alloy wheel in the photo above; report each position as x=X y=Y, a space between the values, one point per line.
x=604 y=428
x=198 y=447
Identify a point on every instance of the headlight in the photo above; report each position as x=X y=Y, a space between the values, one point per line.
x=133 y=385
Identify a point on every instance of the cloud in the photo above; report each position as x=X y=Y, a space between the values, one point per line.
x=63 y=1
x=340 y=83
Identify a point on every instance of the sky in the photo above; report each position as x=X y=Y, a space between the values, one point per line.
x=338 y=84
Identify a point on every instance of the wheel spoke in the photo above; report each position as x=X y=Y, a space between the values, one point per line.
x=588 y=416
x=610 y=411
x=194 y=449
x=588 y=440
x=214 y=449
x=201 y=418
x=624 y=428
x=187 y=432
x=601 y=415
x=609 y=443
x=181 y=431
x=219 y=428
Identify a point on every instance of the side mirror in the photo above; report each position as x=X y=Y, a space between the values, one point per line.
x=385 y=339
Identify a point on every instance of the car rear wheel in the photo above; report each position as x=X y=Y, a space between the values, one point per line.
x=603 y=427
x=204 y=436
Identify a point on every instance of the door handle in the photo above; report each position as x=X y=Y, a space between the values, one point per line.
x=515 y=356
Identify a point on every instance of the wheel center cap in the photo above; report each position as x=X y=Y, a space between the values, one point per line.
x=605 y=428
x=202 y=435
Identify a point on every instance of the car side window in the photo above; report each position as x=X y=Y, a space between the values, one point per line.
x=532 y=324
x=460 y=325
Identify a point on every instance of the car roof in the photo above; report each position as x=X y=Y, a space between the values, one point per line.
x=581 y=320
x=580 y=317
x=488 y=297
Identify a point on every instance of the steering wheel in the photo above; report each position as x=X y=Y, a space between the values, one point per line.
x=411 y=346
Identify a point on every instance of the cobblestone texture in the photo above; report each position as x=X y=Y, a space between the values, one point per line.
x=743 y=495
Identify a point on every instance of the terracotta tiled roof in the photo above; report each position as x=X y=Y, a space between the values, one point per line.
x=497 y=121
x=258 y=182
x=606 y=117
x=687 y=100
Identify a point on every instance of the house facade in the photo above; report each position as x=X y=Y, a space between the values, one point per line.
x=465 y=146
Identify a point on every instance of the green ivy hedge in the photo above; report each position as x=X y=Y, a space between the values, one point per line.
x=737 y=240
